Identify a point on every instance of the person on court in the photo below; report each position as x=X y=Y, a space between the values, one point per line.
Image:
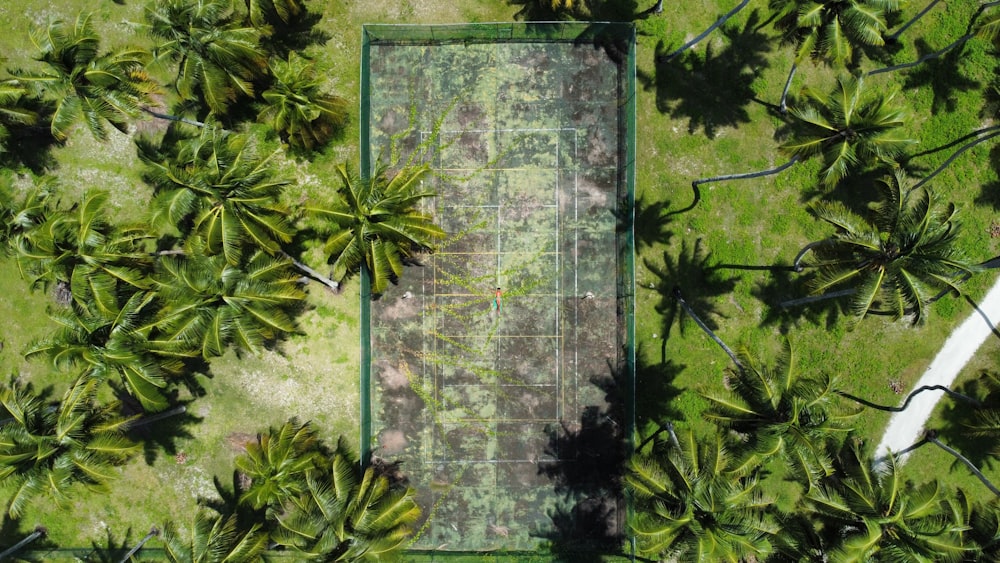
x=497 y=304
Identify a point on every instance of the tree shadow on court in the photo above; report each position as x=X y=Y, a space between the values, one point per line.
x=712 y=89
x=587 y=474
x=701 y=284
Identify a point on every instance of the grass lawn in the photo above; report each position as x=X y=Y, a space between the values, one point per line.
x=701 y=115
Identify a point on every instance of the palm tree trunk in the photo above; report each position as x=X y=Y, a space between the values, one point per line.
x=669 y=428
x=957 y=43
x=704 y=327
x=912 y=21
x=914 y=393
x=931 y=437
x=783 y=104
x=797 y=263
x=993 y=132
x=313 y=273
x=670 y=56
x=815 y=298
x=168 y=117
x=654 y=9
x=158 y=416
x=39 y=532
x=154 y=531
x=745 y=175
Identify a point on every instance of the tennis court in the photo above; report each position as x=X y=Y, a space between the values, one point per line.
x=509 y=415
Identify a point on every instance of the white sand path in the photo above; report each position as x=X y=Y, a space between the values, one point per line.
x=906 y=427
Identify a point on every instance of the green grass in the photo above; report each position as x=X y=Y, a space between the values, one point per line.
x=757 y=222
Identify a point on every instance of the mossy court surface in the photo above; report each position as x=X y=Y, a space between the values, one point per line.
x=510 y=423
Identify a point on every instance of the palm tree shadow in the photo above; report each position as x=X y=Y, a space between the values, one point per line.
x=651 y=222
x=295 y=35
x=33 y=147
x=584 y=10
x=943 y=75
x=958 y=415
x=587 y=471
x=712 y=90
x=700 y=282
x=990 y=192
x=785 y=285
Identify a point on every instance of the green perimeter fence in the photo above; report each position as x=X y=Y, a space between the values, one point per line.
x=618 y=41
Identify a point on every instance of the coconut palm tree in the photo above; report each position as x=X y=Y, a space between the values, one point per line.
x=45 y=450
x=277 y=464
x=218 y=59
x=208 y=304
x=218 y=186
x=14 y=111
x=214 y=539
x=692 y=504
x=783 y=413
x=830 y=30
x=898 y=259
x=113 y=342
x=378 y=223
x=85 y=84
x=297 y=108
x=346 y=514
x=869 y=513
x=848 y=128
x=81 y=248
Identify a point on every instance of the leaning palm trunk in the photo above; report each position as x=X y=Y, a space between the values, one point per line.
x=169 y=117
x=931 y=437
x=912 y=21
x=743 y=176
x=335 y=286
x=783 y=104
x=991 y=132
x=687 y=309
x=154 y=531
x=670 y=56
x=39 y=532
x=914 y=393
x=970 y=32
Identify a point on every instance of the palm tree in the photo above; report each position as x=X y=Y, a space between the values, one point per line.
x=692 y=505
x=379 y=223
x=297 y=108
x=80 y=247
x=113 y=342
x=783 y=413
x=85 y=84
x=831 y=29
x=218 y=186
x=346 y=514
x=214 y=539
x=847 y=128
x=217 y=59
x=277 y=464
x=47 y=449
x=208 y=304
x=14 y=112
x=899 y=258
x=868 y=512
